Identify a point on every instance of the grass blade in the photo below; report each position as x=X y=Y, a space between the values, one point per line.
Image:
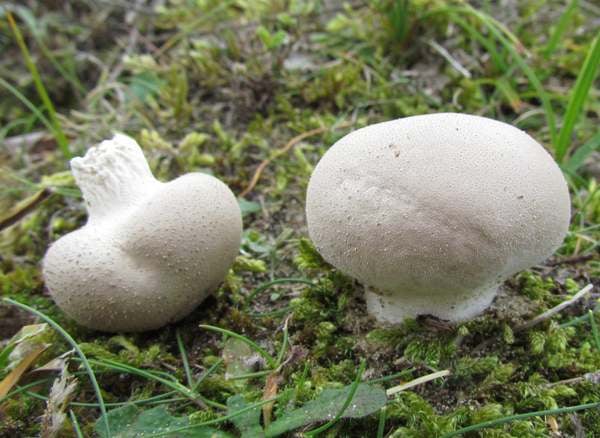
x=265 y=286
x=156 y=400
x=172 y=384
x=486 y=42
x=75 y=423
x=207 y=373
x=270 y=360
x=24 y=208
x=391 y=377
x=514 y=48
x=582 y=152
x=381 y=423
x=28 y=104
x=34 y=26
x=335 y=419
x=81 y=354
x=518 y=417
x=284 y=343
x=398 y=17
x=61 y=139
x=184 y=359
x=578 y=97
x=498 y=31
x=216 y=420
x=595 y=333
x=560 y=28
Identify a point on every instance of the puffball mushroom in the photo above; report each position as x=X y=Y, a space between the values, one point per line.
x=434 y=212
x=150 y=251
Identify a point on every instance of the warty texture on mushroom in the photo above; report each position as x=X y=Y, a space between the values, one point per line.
x=433 y=212
x=150 y=251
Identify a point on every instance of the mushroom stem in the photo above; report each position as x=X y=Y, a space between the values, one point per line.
x=395 y=308
x=113 y=175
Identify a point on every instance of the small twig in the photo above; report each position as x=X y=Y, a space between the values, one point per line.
x=168 y=366
x=550 y=313
x=270 y=391
x=451 y=59
x=571 y=260
x=289 y=145
x=579 y=430
x=565 y=382
x=417 y=381
x=593 y=377
x=131 y=44
x=544 y=316
x=21 y=211
x=25 y=140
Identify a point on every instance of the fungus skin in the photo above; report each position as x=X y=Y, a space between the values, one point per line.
x=432 y=213
x=150 y=251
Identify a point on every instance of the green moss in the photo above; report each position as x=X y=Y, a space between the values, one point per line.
x=534 y=286
x=308 y=257
x=429 y=351
x=219 y=94
x=419 y=418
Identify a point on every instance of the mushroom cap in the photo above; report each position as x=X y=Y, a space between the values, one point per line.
x=435 y=211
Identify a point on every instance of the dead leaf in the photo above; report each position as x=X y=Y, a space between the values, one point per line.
x=553 y=424
x=56 y=365
x=60 y=394
x=24 y=208
x=13 y=377
x=21 y=344
x=270 y=391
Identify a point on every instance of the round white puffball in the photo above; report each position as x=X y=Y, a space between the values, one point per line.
x=434 y=212
x=150 y=252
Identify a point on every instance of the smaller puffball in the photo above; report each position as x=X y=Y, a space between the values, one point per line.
x=150 y=251
x=434 y=212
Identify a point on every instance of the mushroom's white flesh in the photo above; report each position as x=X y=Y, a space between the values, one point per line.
x=150 y=251
x=434 y=212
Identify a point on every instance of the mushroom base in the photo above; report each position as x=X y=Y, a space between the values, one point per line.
x=394 y=309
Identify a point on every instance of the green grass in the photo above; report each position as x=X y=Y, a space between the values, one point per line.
x=61 y=139
x=351 y=393
x=75 y=346
x=561 y=29
x=518 y=417
x=30 y=106
x=261 y=351
x=507 y=41
x=577 y=99
x=75 y=422
x=219 y=87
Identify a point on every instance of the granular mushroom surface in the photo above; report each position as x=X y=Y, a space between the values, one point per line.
x=434 y=212
x=150 y=251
